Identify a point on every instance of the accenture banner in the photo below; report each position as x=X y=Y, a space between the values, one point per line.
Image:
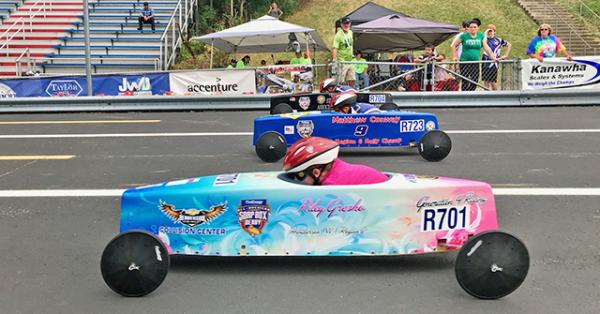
x=227 y=82
x=582 y=72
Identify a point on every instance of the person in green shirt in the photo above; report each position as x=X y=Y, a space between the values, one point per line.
x=232 y=64
x=472 y=42
x=243 y=62
x=305 y=60
x=297 y=59
x=343 y=47
x=361 y=70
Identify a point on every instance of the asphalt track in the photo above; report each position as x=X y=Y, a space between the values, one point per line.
x=51 y=246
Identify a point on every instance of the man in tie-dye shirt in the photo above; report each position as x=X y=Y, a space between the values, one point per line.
x=546 y=45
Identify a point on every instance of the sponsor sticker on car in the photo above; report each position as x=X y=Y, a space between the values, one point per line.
x=444 y=219
x=288 y=130
x=377 y=99
x=412 y=125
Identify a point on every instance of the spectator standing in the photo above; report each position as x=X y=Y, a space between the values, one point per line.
x=546 y=45
x=465 y=25
x=361 y=70
x=146 y=17
x=243 y=62
x=275 y=11
x=343 y=47
x=232 y=64
x=472 y=42
x=428 y=57
x=490 y=69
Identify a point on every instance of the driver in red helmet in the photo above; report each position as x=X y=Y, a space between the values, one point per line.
x=314 y=161
x=330 y=86
x=345 y=102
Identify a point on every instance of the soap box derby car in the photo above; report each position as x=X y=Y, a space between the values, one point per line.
x=320 y=101
x=268 y=213
x=274 y=134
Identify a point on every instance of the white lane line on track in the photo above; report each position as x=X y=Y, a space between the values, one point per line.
x=181 y=134
x=118 y=192
x=76 y=122
x=184 y=134
x=522 y=131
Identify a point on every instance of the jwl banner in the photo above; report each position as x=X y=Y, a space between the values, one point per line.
x=228 y=82
x=582 y=72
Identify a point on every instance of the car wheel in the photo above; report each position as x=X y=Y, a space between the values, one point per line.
x=435 y=145
x=271 y=146
x=282 y=108
x=389 y=107
x=491 y=265
x=134 y=263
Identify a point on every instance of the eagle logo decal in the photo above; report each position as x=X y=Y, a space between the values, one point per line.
x=192 y=216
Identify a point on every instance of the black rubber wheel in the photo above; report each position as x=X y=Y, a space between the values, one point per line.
x=435 y=145
x=134 y=263
x=492 y=264
x=282 y=108
x=389 y=107
x=271 y=146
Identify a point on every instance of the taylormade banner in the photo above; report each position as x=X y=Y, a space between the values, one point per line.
x=582 y=72
x=228 y=82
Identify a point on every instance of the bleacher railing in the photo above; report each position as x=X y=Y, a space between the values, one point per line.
x=41 y=9
x=18 y=62
x=557 y=21
x=171 y=37
x=20 y=29
x=585 y=12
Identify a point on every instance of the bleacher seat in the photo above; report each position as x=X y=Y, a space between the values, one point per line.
x=116 y=44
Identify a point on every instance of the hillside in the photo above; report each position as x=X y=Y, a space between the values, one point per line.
x=512 y=22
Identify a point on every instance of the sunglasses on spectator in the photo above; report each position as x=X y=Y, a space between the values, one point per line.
x=544 y=29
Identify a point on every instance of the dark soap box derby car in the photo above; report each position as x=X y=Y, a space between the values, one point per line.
x=320 y=101
x=270 y=214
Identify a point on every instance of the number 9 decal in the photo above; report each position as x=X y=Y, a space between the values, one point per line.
x=361 y=130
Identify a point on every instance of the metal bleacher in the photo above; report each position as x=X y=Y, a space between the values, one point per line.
x=116 y=44
x=48 y=36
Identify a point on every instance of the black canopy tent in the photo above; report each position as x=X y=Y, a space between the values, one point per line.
x=399 y=33
x=368 y=12
x=378 y=29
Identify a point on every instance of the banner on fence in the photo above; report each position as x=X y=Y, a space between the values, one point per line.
x=132 y=85
x=43 y=87
x=228 y=82
x=582 y=72
x=73 y=86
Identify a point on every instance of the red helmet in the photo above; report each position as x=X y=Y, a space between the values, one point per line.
x=326 y=83
x=343 y=99
x=309 y=152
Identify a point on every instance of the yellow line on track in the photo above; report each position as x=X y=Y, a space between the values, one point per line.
x=77 y=122
x=38 y=157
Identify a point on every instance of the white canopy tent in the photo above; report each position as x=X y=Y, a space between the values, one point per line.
x=265 y=34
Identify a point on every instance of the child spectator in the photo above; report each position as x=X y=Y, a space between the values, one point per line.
x=490 y=69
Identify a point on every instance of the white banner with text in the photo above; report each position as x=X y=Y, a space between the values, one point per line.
x=227 y=82
x=582 y=72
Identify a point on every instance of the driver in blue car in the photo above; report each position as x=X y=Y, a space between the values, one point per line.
x=330 y=86
x=345 y=102
x=314 y=161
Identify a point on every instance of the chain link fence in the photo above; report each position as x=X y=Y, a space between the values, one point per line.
x=392 y=76
x=434 y=76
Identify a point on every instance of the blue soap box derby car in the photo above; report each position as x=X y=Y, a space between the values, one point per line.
x=275 y=133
